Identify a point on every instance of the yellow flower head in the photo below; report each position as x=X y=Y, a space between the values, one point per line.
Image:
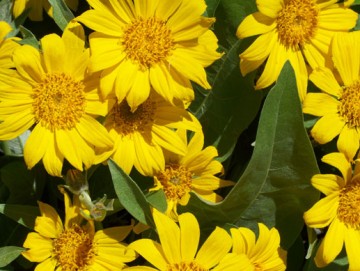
x=7 y=46
x=178 y=248
x=339 y=104
x=192 y=172
x=296 y=30
x=52 y=92
x=265 y=253
x=339 y=210
x=139 y=136
x=75 y=245
x=143 y=43
x=36 y=8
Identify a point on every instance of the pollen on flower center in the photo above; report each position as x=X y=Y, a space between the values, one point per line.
x=349 y=209
x=176 y=181
x=59 y=101
x=186 y=266
x=349 y=108
x=74 y=249
x=147 y=41
x=126 y=122
x=297 y=22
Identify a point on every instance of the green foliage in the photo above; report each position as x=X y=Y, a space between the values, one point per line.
x=275 y=187
x=24 y=215
x=8 y=254
x=28 y=38
x=62 y=14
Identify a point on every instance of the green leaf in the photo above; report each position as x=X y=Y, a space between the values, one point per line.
x=8 y=254
x=275 y=188
x=62 y=14
x=158 y=200
x=28 y=38
x=23 y=214
x=211 y=7
x=5 y=10
x=130 y=195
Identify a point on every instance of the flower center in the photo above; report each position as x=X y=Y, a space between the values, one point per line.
x=59 y=101
x=176 y=181
x=148 y=41
x=126 y=122
x=74 y=249
x=297 y=22
x=349 y=209
x=349 y=108
x=186 y=266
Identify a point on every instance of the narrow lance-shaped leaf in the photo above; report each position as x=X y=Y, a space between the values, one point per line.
x=275 y=187
x=62 y=14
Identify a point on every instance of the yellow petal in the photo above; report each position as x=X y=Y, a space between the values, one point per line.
x=332 y=244
x=298 y=63
x=352 y=241
x=320 y=104
x=339 y=160
x=326 y=128
x=148 y=157
x=216 y=246
x=200 y=160
x=53 y=158
x=5 y=29
x=28 y=64
x=49 y=212
x=243 y=239
x=337 y=19
x=124 y=154
x=270 y=8
x=324 y=79
x=167 y=9
x=36 y=145
x=346 y=62
x=112 y=235
x=140 y=89
x=53 y=53
x=255 y=24
x=169 y=235
x=190 y=235
x=348 y=142
x=273 y=66
x=189 y=67
x=40 y=247
x=323 y=212
x=168 y=139
x=107 y=82
x=105 y=51
x=125 y=79
x=47 y=265
x=327 y=183
x=145 y=8
x=16 y=124
x=124 y=10
x=102 y=21
x=313 y=56
x=151 y=251
x=260 y=48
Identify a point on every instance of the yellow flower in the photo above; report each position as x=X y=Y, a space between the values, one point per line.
x=296 y=30
x=192 y=172
x=75 y=245
x=52 y=92
x=140 y=136
x=178 y=250
x=339 y=209
x=339 y=104
x=265 y=253
x=36 y=8
x=143 y=43
x=7 y=46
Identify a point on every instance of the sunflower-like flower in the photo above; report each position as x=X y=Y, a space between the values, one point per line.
x=265 y=253
x=339 y=210
x=178 y=248
x=139 y=136
x=142 y=44
x=192 y=172
x=74 y=245
x=338 y=106
x=36 y=8
x=51 y=92
x=7 y=46
x=296 y=30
